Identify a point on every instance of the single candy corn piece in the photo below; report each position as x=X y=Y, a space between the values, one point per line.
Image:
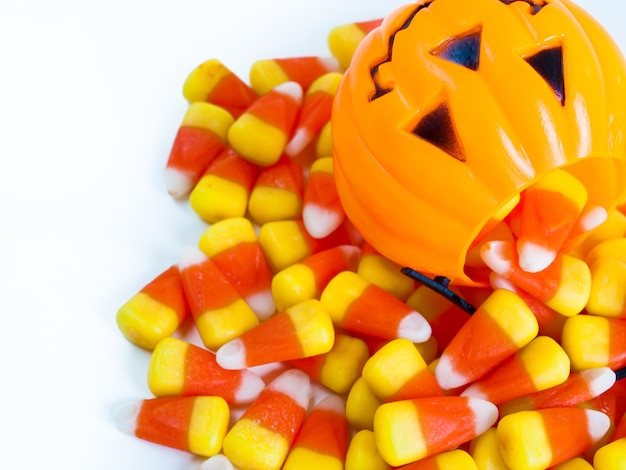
x=323 y=438
x=303 y=330
x=200 y=138
x=261 y=438
x=608 y=288
x=397 y=371
x=501 y=326
x=578 y=388
x=565 y=285
x=536 y=440
x=233 y=246
x=324 y=143
x=179 y=368
x=344 y=39
x=410 y=430
x=611 y=456
x=386 y=274
x=193 y=424
x=261 y=133
x=277 y=192
x=613 y=227
x=155 y=312
x=357 y=305
x=577 y=463
x=614 y=248
x=286 y=242
x=219 y=311
x=339 y=368
x=456 y=459
x=445 y=318
x=361 y=405
x=215 y=83
x=217 y=462
x=315 y=113
x=593 y=341
x=266 y=74
x=550 y=209
x=485 y=451
x=590 y=218
x=362 y=453
x=308 y=278
x=550 y=321
x=539 y=365
x=224 y=188
x=322 y=211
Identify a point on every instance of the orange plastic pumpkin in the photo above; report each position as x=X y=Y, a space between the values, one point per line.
x=451 y=108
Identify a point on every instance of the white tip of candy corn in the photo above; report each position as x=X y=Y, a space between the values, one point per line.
x=332 y=403
x=178 y=183
x=125 y=415
x=291 y=89
x=298 y=142
x=593 y=218
x=295 y=384
x=415 y=328
x=319 y=222
x=597 y=424
x=232 y=355
x=534 y=258
x=599 y=379
x=190 y=256
x=262 y=304
x=249 y=388
x=217 y=462
x=474 y=391
x=494 y=256
x=447 y=376
x=485 y=414
x=330 y=63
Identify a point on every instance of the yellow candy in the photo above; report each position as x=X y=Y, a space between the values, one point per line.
x=266 y=74
x=613 y=227
x=257 y=140
x=251 y=445
x=611 y=456
x=362 y=453
x=219 y=326
x=283 y=243
x=455 y=460
x=577 y=463
x=145 y=321
x=341 y=291
x=302 y=458
x=206 y=435
x=386 y=274
x=523 y=442
x=208 y=116
x=215 y=198
x=269 y=204
x=574 y=287
x=546 y=362
x=164 y=378
x=344 y=363
x=614 y=248
x=361 y=405
x=343 y=41
x=324 y=144
x=586 y=339
x=608 y=287
x=486 y=453
x=293 y=285
x=226 y=234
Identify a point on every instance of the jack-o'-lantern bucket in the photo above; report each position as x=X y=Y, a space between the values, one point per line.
x=451 y=108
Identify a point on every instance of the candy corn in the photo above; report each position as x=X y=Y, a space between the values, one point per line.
x=608 y=288
x=456 y=459
x=155 y=312
x=277 y=193
x=564 y=285
x=233 y=246
x=308 y=278
x=362 y=453
x=410 y=430
x=261 y=133
x=500 y=326
x=323 y=438
x=200 y=138
x=611 y=456
x=361 y=405
x=178 y=368
x=215 y=83
x=386 y=274
x=536 y=440
x=485 y=451
x=343 y=40
x=193 y=424
x=303 y=330
x=261 y=438
x=219 y=311
x=539 y=365
x=357 y=305
x=266 y=74
x=224 y=188
x=550 y=209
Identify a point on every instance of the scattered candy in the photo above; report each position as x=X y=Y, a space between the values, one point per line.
x=342 y=360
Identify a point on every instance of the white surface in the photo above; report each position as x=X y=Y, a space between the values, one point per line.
x=90 y=100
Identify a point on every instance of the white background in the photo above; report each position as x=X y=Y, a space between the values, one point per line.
x=90 y=100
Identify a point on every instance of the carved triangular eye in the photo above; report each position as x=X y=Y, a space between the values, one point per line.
x=437 y=128
x=549 y=64
x=463 y=50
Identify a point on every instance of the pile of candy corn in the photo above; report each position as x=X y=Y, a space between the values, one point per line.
x=317 y=352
